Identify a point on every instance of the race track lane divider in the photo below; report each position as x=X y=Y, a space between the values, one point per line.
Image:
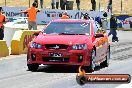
x=20 y=41
x=4 y=51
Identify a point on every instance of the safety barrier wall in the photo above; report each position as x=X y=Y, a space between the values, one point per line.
x=124 y=21
x=4 y=51
x=20 y=41
x=46 y=15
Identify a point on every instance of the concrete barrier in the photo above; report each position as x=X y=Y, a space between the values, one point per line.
x=20 y=41
x=4 y=51
x=9 y=30
x=8 y=34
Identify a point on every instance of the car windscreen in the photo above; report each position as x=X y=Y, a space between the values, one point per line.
x=67 y=28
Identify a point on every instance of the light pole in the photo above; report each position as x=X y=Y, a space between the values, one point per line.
x=121 y=6
x=29 y=3
x=5 y=2
x=99 y=5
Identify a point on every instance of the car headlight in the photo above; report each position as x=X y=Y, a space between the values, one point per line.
x=36 y=45
x=79 y=47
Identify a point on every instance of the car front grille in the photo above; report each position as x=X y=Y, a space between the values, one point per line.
x=56 y=46
x=55 y=59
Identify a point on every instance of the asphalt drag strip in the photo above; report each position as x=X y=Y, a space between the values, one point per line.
x=14 y=73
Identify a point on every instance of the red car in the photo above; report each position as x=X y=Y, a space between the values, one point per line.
x=69 y=42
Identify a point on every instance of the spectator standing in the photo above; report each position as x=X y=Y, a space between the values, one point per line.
x=63 y=4
x=57 y=4
x=98 y=19
x=41 y=3
x=32 y=12
x=78 y=4
x=53 y=4
x=109 y=7
x=130 y=23
x=113 y=27
x=2 y=21
x=36 y=3
x=93 y=2
x=65 y=15
x=104 y=22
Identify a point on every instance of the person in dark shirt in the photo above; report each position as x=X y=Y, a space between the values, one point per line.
x=113 y=27
x=78 y=4
x=93 y=2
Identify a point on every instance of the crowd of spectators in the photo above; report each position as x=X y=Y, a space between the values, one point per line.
x=62 y=4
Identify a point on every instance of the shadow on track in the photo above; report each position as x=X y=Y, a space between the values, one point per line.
x=62 y=69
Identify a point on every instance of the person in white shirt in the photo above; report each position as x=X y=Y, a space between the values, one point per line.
x=104 y=23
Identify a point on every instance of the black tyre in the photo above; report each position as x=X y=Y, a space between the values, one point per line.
x=32 y=67
x=92 y=61
x=106 y=62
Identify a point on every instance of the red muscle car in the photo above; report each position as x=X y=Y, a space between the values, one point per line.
x=69 y=42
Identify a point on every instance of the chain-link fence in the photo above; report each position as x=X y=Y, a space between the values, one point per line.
x=124 y=6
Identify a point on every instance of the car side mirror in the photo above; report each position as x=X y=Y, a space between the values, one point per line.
x=98 y=35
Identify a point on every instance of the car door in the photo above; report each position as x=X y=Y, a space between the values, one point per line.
x=102 y=45
x=102 y=48
x=98 y=43
x=98 y=50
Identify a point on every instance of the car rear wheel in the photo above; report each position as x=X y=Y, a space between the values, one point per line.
x=32 y=67
x=107 y=58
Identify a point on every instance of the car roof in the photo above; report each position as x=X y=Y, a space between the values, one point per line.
x=72 y=20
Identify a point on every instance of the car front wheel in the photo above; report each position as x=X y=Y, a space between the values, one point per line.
x=92 y=61
x=32 y=67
